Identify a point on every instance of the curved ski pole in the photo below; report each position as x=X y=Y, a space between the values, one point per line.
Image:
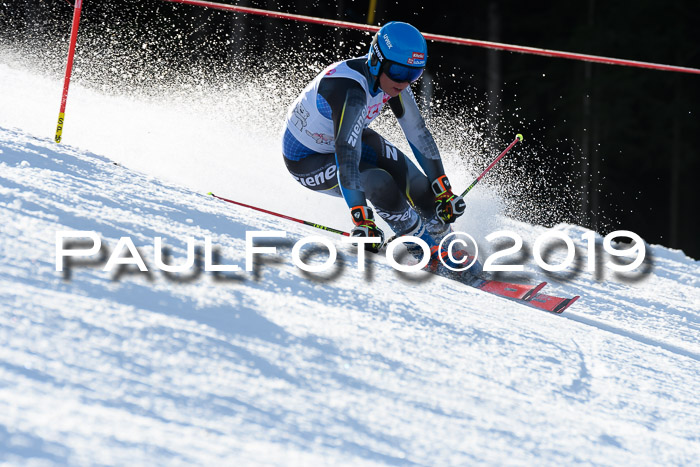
x=301 y=221
x=517 y=139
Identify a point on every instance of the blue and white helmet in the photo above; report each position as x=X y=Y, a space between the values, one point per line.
x=398 y=50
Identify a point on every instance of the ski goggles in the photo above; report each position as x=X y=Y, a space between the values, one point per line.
x=402 y=73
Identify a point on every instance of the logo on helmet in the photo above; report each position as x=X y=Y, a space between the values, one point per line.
x=418 y=59
x=378 y=52
x=387 y=40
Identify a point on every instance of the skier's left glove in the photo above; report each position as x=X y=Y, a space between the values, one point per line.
x=363 y=218
x=448 y=206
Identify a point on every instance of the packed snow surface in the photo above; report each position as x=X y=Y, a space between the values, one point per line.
x=279 y=366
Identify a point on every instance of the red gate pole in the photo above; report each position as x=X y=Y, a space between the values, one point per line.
x=441 y=38
x=69 y=68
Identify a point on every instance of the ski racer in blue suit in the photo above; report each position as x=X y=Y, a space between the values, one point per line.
x=328 y=147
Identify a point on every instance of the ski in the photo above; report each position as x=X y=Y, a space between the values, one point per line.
x=526 y=294
x=508 y=289
x=551 y=302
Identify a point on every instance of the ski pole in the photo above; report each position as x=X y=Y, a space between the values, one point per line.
x=518 y=138
x=69 y=69
x=301 y=221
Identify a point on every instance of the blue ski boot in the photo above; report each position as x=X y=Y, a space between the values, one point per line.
x=440 y=261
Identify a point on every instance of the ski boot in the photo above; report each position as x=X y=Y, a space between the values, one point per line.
x=440 y=262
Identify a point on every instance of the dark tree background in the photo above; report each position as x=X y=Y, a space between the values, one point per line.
x=633 y=132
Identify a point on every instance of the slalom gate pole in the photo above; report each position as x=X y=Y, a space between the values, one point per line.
x=517 y=139
x=301 y=221
x=440 y=38
x=69 y=69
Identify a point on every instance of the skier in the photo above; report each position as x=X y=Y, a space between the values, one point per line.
x=328 y=147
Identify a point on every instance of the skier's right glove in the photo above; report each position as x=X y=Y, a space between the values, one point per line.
x=363 y=217
x=448 y=206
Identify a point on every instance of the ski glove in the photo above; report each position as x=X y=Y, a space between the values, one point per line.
x=448 y=206
x=363 y=217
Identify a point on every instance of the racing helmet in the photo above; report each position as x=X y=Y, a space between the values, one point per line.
x=399 y=50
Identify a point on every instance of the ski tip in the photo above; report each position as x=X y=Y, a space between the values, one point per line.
x=565 y=304
x=210 y=194
x=519 y=137
x=534 y=291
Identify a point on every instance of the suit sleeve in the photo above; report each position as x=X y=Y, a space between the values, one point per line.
x=419 y=138
x=348 y=104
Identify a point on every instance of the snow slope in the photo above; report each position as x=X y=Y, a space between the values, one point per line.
x=278 y=366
